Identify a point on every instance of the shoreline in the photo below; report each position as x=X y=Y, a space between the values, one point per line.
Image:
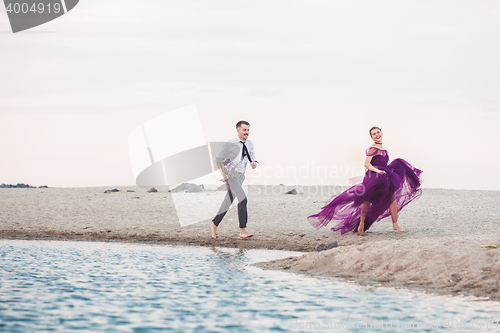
x=408 y=287
x=438 y=251
x=221 y=241
x=141 y=241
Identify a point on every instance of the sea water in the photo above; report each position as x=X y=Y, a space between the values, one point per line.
x=70 y=286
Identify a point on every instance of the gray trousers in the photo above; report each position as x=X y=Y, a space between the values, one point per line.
x=234 y=189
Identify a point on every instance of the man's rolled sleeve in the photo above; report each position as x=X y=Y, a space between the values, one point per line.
x=224 y=152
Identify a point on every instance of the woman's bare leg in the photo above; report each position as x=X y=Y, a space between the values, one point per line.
x=393 y=208
x=364 y=209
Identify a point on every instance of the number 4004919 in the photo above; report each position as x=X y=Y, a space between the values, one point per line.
x=36 y=8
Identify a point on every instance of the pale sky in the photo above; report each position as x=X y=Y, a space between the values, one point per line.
x=310 y=76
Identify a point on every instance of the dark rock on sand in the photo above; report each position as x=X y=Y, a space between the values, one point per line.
x=19 y=185
x=326 y=246
x=223 y=187
x=293 y=191
x=188 y=187
x=152 y=190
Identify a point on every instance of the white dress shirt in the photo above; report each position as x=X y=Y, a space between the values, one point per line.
x=233 y=149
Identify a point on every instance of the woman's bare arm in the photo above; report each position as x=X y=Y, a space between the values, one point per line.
x=369 y=165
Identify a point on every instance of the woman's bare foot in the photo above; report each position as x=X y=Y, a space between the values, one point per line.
x=395 y=226
x=361 y=228
x=213 y=229
x=244 y=233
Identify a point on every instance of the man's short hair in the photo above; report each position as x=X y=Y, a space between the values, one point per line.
x=242 y=122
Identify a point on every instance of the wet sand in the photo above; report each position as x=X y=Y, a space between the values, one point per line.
x=439 y=249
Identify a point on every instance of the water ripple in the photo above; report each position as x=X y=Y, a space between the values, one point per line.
x=86 y=286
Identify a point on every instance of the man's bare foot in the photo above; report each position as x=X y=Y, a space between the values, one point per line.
x=213 y=229
x=395 y=226
x=361 y=228
x=244 y=233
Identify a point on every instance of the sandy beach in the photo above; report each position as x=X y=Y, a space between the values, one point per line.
x=440 y=249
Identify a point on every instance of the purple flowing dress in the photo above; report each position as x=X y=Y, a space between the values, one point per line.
x=401 y=181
